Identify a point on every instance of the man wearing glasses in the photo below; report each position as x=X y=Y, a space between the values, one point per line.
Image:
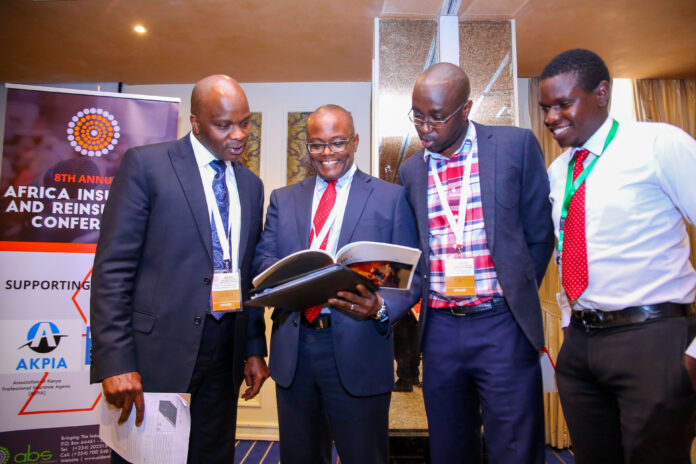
x=480 y=195
x=333 y=365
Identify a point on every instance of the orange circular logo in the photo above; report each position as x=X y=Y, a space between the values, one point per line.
x=93 y=132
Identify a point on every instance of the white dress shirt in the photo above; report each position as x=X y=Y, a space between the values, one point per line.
x=319 y=187
x=636 y=199
x=203 y=159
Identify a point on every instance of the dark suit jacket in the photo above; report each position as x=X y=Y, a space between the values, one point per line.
x=517 y=216
x=153 y=269
x=376 y=211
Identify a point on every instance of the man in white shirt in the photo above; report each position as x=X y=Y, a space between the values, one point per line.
x=620 y=194
x=334 y=365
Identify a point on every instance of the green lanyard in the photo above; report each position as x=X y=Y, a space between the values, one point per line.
x=573 y=186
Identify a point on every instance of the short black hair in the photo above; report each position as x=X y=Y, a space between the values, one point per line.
x=585 y=64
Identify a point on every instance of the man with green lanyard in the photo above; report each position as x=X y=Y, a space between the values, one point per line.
x=626 y=372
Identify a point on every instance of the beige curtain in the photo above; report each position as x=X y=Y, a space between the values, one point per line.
x=556 y=428
x=672 y=101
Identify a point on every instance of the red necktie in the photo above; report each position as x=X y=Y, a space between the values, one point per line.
x=574 y=244
x=326 y=204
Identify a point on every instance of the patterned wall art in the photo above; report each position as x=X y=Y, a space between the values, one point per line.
x=252 y=154
x=298 y=164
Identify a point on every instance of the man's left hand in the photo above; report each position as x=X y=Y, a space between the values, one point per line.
x=255 y=374
x=364 y=305
x=690 y=364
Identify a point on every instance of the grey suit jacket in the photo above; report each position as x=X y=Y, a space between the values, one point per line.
x=153 y=269
x=376 y=211
x=517 y=216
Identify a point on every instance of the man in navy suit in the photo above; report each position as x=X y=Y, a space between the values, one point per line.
x=153 y=328
x=334 y=371
x=480 y=195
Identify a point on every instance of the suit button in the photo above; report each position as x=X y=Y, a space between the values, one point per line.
x=197 y=320
x=206 y=280
x=295 y=322
x=425 y=276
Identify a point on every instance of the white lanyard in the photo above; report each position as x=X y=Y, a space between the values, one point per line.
x=456 y=226
x=224 y=237
x=339 y=205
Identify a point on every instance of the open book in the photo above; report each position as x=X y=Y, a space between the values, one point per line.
x=311 y=277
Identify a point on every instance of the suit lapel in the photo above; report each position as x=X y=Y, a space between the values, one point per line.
x=360 y=190
x=244 y=191
x=420 y=201
x=186 y=170
x=486 y=159
x=303 y=210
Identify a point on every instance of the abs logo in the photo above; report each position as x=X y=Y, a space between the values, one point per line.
x=43 y=337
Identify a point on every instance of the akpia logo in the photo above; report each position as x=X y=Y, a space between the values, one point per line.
x=93 y=132
x=4 y=455
x=43 y=337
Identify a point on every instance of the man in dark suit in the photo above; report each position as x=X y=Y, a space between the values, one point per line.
x=480 y=195
x=161 y=252
x=334 y=371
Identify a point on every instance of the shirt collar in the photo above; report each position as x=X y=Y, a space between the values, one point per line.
x=202 y=154
x=595 y=144
x=321 y=183
x=466 y=145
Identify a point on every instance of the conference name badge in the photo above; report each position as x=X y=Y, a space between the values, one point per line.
x=226 y=294
x=459 y=277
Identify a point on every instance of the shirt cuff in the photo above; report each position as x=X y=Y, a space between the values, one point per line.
x=691 y=350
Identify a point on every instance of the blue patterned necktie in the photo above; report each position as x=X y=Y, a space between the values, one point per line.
x=222 y=199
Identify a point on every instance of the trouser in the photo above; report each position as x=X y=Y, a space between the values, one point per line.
x=406 y=348
x=480 y=368
x=316 y=409
x=213 y=396
x=625 y=392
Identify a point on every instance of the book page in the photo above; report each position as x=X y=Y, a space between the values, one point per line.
x=297 y=263
x=385 y=264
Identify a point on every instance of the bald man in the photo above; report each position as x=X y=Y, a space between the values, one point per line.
x=334 y=370
x=480 y=195
x=181 y=223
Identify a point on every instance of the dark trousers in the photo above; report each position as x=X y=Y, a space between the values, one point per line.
x=406 y=348
x=482 y=369
x=213 y=399
x=625 y=393
x=316 y=409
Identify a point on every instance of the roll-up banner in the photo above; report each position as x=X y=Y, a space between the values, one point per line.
x=60 y=152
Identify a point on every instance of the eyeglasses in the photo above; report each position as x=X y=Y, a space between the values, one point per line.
x=433 y=122
x=337 y=146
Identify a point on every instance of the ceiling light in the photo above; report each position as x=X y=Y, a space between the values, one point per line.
x=140 y=29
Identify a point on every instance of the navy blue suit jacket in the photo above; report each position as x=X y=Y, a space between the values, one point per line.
x=153 y=268
x=376 y=211
x=517 y=216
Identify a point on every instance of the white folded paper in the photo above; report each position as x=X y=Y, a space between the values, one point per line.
x=162 y=437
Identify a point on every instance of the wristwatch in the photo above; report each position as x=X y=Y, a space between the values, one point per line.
x=382 y=314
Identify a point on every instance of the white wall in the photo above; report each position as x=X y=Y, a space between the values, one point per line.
x=274 y=101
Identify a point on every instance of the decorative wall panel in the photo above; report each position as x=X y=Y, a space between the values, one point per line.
x=408 y=47
x=299 y=166
x=252 y=154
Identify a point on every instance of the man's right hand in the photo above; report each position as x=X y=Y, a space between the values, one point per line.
x=123 y=391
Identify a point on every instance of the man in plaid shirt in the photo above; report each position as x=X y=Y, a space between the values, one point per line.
x=480 y=195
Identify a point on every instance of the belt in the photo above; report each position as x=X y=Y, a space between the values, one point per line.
x=597 y=319
x=474 y=309
x=322 y=321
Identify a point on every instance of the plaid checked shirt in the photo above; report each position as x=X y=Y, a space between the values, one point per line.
x=442 y=238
